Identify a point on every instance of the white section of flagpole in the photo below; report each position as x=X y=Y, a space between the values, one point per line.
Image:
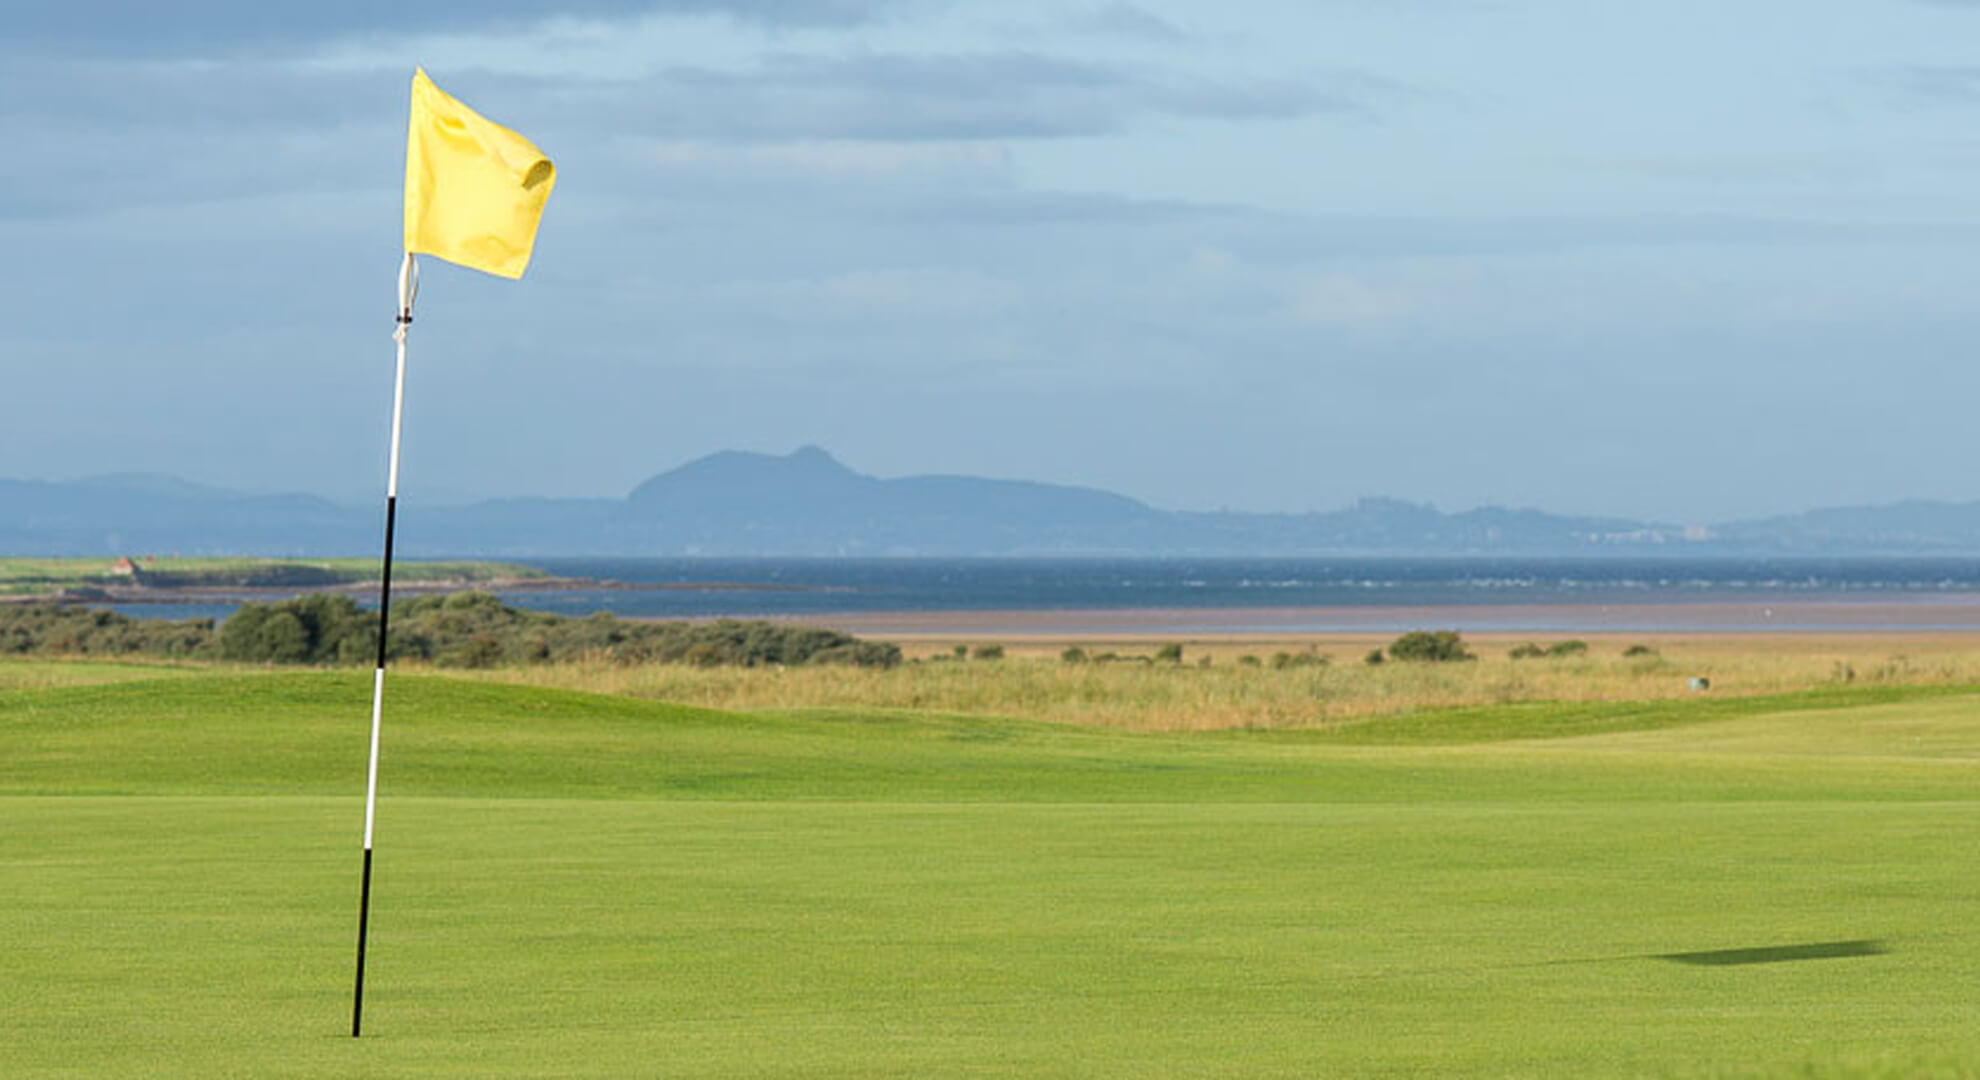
x=408 y=290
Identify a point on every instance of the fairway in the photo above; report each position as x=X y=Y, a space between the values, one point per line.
x=583 y=886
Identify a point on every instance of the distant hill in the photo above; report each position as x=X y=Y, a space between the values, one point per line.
x=1916 y=526
x=809 y=503
x=138 y=512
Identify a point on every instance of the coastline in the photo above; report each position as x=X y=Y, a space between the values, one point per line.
x=1939 y=612
x=220 y=594
x=1935 y=614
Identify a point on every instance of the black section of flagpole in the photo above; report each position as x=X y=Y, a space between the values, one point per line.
x=364 y=893
x=364 y=917
x=384 y=622
x=385 y=577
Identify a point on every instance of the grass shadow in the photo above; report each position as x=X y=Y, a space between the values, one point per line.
x=1778 y=954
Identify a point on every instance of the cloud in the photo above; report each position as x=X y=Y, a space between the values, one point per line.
x=1335 y=300
x=854 y=130
x=150 y=133
x=110 y=96
x=959 y=96
x=1127 y=22
x=860 y=159
x=908 y=295
x=121 y=105
x=217 y=28
x=1931 y=84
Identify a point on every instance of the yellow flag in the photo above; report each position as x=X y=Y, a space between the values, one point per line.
x=474 y=189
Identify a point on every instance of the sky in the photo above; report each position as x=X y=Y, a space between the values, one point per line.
x=1691 y=261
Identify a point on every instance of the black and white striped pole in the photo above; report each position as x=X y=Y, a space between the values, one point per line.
x=408 y=290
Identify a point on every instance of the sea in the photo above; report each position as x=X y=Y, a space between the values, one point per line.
x=1286 y=595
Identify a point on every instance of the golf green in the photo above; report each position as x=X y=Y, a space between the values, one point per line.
x=577 y=886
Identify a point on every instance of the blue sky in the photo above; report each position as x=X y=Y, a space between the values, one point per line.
x=1689 y=261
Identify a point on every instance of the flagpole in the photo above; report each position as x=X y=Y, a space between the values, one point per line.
x=408 y=290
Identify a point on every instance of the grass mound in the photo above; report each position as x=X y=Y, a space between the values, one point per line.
x=248 y=732
x=1575 y=719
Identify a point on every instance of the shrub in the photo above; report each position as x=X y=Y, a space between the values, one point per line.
x=479 y=651
x=66 y=629
x=1526 y=650
x=1170 y=653
x=281 y=638
x=1561 y=649
x=318 y=629
x=462 y=630
x=1248 y=660
x=987 y=652
x=868 y=654
x=1429 y=645
x=1635 y=651
x=1374 y=657
x=1074 y=655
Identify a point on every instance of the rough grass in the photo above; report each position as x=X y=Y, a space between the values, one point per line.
x=1228 y=695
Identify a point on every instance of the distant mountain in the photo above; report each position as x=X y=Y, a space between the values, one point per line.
x=1914 y=526
x=808 y=503
x=118 y=514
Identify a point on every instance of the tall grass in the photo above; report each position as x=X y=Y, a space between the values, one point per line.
x=1229 y=695
x=1138 y=696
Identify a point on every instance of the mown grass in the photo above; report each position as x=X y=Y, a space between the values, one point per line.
x=258 y=732
x=17 y=673
x=573 y=885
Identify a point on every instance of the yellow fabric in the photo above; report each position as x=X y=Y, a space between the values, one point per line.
x=474 y=189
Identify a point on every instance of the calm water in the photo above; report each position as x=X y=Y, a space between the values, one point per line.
x=799 y=587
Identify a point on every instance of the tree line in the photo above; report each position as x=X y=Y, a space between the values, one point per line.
x=466 y=629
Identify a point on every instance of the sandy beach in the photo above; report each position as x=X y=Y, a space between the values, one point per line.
x=1936 y=614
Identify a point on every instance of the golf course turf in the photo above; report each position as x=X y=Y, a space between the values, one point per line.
x=573 y=885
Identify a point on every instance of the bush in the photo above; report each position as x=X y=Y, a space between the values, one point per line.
x=479 y=651
x=1247 y=660
x=462 y=630
x=1074 y=655
x=1308 y=658
x=281 y=638
x=867 y=654
x=1560 y=649
x=987 y=652
x=318 y=629
x=69 y=630
x=1635 y=651
x=1374 y=657
x=1526 y=650
x=1436 y=646
x=1169 y=654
